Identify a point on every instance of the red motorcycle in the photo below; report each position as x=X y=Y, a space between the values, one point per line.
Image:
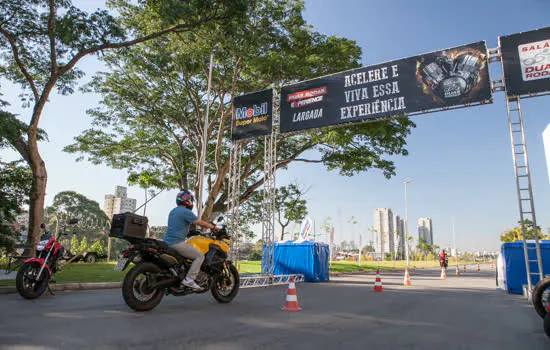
x=35 y=273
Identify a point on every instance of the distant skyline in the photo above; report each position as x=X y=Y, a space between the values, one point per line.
x=461 y=160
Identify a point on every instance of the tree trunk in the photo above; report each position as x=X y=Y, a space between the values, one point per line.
x=38 y=167
x=38 y=193
x=283 y=232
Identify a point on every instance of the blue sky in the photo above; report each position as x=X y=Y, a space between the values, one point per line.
x=461 y=160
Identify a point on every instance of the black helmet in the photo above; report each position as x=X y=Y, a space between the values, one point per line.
x=186 y=199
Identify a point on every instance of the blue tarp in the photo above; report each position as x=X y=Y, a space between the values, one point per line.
x=307 y=258
x=514 y=264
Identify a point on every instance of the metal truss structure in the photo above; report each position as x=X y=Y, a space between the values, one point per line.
x=252 y=281
x=268 y=215
x=234 y=193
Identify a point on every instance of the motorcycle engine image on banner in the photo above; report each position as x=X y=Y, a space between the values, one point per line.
x=452 y=78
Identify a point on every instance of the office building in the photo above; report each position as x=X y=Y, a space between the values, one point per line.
x=383 y=225
x=119 y=202
x=398 y=234
x=425 y=231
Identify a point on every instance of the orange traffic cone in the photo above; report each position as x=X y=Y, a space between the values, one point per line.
x=378 y=282
x=478 y=269
x=443 y=273
x=407 y=281
x=291 y=298
x=457 y=270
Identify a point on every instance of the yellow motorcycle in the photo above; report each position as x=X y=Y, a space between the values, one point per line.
x=159 y=269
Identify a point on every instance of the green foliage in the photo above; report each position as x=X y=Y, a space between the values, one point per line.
x=80 y=245
x=27 y=27
x=515 y=234
x=15 y=186
x=83 y=247
x=157 y=231
x=290 y=206
x=255 y=256
x=42 y=41
x=96 y=247
x=12 y=130
x=93 y=223
x=149 y=121
x=74 y=244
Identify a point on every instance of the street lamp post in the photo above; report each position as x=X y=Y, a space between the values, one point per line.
x=407 y=221
x=204 y=140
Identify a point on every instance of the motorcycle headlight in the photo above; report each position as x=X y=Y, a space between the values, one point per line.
x=41 y=245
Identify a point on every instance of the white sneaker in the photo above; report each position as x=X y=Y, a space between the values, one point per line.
x=190 y=283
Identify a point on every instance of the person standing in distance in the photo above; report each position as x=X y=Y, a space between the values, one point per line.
x=179 y=220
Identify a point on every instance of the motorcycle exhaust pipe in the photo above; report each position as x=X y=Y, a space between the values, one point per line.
x=168 y=282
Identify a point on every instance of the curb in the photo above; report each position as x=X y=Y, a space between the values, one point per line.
x=71 y=286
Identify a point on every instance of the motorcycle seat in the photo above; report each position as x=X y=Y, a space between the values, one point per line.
x=170 y=251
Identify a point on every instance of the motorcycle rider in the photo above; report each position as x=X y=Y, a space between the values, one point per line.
x=179 y=220
x=443 y=259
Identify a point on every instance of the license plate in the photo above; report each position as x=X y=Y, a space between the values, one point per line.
x=121 y=264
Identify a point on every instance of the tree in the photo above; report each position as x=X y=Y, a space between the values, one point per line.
x=157 y=231
x=15 y=185
x=367 y=249
x=290 y=206
x=151 y=116
x=92 y=221
x=327 y=226
x=41 y=43
x=515 y=234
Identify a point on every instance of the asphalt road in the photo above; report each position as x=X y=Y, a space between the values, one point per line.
x=461 y=312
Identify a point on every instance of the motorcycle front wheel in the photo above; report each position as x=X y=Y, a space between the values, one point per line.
x=136 y=287
x=27 y=285
x=226 y=285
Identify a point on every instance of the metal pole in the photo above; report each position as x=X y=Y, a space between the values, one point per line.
x=407 y=221
x=454 y=241
x=204 y=141
x=360 y=246
x=145 y=206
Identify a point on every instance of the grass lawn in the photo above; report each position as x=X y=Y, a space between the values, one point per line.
x=104 y=272
x=83 y=272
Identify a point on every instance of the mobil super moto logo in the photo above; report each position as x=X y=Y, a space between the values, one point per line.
x=249 y=112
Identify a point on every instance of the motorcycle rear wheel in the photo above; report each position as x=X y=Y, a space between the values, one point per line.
x=223 y=293
x=24 y=284
x=136 y=293
x=541 y=295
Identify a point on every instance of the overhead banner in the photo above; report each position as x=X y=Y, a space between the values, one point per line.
x=526 y=61
x=446 y=78
x=252 y=115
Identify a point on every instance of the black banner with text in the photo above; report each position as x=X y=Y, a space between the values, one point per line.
x=445 y=78
x=252 y=115
x=526 y=60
